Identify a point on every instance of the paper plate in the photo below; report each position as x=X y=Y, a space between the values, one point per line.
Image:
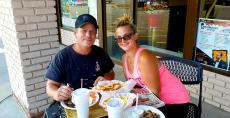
x=94 y=98
x=132 y=112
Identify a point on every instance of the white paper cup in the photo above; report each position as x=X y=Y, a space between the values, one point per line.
x=80 y=97
x=115 y=108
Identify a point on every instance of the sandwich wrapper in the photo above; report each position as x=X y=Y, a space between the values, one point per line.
x=126 y=88
x=150 y=98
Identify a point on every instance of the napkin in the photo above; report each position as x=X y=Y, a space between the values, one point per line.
x=129 y=85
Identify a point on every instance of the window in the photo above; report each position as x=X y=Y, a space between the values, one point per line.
x=70 y=10
x=161 y=26
x=114 y=10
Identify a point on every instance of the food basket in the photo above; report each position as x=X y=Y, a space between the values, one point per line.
x=127 y=98
x=71 y=111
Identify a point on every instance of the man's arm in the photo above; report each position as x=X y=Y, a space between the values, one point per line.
x=106 y=76
x=58 y=92
x=109 y=75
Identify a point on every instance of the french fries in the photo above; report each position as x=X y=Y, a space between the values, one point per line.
x=122 y=97
x=93 y=95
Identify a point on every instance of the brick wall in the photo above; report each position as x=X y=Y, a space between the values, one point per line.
x=215 y=90
x=29 y=32
x=67 y=37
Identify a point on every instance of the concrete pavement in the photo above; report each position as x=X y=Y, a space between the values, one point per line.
x=9 y=106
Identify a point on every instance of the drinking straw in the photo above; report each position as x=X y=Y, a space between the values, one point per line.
x=114 y=95
x=134 y=111
x=81 y=82
x=136 y=101
x=147 y=88
x=69 y=85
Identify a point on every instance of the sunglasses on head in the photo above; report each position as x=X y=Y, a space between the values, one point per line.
x=126 y=37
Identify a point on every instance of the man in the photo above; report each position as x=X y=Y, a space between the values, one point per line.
x=219 y=63
x=79 y=65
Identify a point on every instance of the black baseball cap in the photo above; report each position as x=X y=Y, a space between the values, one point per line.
x=85 y=18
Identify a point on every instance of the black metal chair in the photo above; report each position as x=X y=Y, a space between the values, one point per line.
x=189 y=72
x=55 y=110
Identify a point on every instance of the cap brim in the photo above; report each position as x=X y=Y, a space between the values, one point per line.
x=90 y=23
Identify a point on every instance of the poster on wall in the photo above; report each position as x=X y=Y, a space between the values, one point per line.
x=71 y=9
x=213 y=43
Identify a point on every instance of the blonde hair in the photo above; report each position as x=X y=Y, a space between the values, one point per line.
x=126 y=20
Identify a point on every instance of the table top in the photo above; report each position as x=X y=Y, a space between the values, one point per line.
x=95 y=111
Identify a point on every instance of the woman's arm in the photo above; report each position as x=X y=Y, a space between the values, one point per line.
x=149 y=68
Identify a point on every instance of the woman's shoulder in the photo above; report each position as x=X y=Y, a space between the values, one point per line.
x=147 y=56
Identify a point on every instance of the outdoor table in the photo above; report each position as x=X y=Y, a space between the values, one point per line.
x=55 y=110
x=95 y=111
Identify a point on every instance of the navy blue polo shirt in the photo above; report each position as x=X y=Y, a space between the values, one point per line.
x=70 y=67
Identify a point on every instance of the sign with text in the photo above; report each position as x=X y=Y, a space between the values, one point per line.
x=213 y=35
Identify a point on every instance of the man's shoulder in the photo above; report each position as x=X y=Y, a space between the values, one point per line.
x=65 y=50
x=98 y=49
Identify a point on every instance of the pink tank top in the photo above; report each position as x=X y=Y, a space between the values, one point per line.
x=172 y=90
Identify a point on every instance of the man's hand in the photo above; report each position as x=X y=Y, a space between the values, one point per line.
x=57 y=91
x=100 y=78
x=63 y=93
x=106 y=76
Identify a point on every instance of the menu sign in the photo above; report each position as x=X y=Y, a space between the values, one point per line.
x=213 y=43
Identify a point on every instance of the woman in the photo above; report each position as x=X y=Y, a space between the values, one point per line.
x=143 y=66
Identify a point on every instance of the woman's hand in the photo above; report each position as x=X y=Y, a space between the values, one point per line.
x=63 y=93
